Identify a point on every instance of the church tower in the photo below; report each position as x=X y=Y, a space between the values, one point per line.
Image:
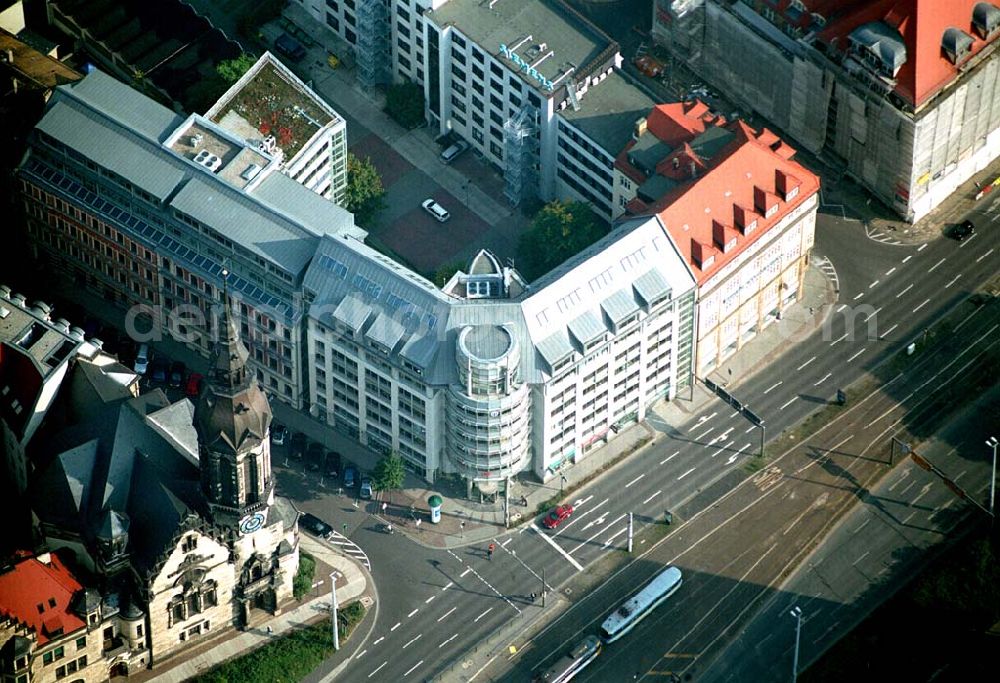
x=232 y=418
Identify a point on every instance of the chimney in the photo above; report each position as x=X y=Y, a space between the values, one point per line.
x=45 y=558
x=641 y=126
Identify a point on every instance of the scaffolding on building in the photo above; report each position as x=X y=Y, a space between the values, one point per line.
x=519 y=155
x=372 y=50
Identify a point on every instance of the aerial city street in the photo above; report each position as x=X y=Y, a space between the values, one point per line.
x=499 y=340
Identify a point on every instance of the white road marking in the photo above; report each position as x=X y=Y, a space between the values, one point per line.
x=686 y=473
x=931 y=269
x=750 y=429
x=555 y=545
x=862 y=556
x=398 y=623
x=907 y=258
x=504 y=544
x=669 y=458
x=890 y=271
x=361 y=654
x=577 y=518
x=773 y=386
x=873 y=284
x=578 y=502
x=704 y=434
x=378 y=669
x=872 y=314
x=410 y=670
x=859 y=295
x=862 y=526
x=855 y=355
x=840 y=308
x=964 y=242
x=607 y=542
x=413 y=640
x=415 y=610
x=952 y=281
x=738 y=453
x=450 y=584
x=704 y=418
x=837 y=341
x=926 y=301
x=826 y=377
x=482 y=615
x=443 y=643
x=922 y=247
x=467 y=570
x=652 y=497
x=635 y=480
x=886 y=333
x=908 y=288
x=599 y=532
x=806 y=363
x=428 y=600
x=446 y=614
x=984 y=256
x=379 y=640
x=788 y=403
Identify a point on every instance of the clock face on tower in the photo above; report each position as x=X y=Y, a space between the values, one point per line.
x=252 y=522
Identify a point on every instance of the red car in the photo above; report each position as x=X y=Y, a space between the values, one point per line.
x=193 y=386
x=557 y=515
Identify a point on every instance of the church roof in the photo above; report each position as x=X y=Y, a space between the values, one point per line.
x=38 y=592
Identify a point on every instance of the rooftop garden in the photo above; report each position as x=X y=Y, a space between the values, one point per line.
x=275 y=107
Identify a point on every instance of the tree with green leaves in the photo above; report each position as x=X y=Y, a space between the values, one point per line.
x=365 y=193
x=560 y=230
x=404 y=102
x=389 y=473
x=232 y=70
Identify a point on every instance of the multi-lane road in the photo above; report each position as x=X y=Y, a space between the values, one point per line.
x=437 y=605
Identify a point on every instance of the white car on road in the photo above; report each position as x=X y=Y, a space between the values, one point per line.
x=436 y=210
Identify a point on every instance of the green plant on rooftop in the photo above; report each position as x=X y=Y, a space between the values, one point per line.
x=274 y=106
x=365 y=193
x=560 y=230
x=404 y=102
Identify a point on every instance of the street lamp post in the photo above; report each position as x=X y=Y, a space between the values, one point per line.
x=992 y=443
x=562 y=482
x=333 y=609
x=797 y=613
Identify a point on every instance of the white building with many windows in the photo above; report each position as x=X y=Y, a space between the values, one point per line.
x=488 y=377
x=306 y=135
x=531 y=85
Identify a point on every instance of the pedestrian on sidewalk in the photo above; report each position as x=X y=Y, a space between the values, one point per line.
x=490 y=549
x=532 y=596
x=270 y=631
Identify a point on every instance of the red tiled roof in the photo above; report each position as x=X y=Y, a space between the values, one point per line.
x=28 y=591
x=745 y=178
x=676 y=124
x=921 y=24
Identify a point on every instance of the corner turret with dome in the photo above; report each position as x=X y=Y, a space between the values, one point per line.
x=233 y=418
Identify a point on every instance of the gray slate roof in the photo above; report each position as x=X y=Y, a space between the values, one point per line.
x=608 y=112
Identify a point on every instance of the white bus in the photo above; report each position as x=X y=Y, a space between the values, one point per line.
x=635 y=609
x=573 y=662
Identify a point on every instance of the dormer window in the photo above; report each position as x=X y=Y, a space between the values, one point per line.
x=985 y=19
x=773 y=209
x=956 y=45
x=792 y=194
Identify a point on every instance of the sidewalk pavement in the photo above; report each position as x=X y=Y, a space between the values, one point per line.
x=352 y=584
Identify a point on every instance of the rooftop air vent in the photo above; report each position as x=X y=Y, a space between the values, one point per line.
x=41 y=309
x=196 y=140
x=955 y=44
x=61 y=324
x=208 y=160
x=250 y=172
x=19 y=300
x=4 y=292
x=76 y=333
x=268 y=144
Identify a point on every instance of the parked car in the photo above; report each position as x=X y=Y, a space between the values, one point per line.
x=177 y=372
x=648 y=66
x=290 y=47
x=314 y=456
x=453 y=151
x=557 y=516
x=332 y=465
x=366 y=488
x=315 y=525
x=193 y=386
x=350 y=476
x=159 y=370
x=298 y=445
x=963 y=230
x=433 y=208
x=279 y=434
x=141 y=365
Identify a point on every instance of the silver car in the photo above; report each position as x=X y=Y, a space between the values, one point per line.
x=436 y=210
x=366 y=488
